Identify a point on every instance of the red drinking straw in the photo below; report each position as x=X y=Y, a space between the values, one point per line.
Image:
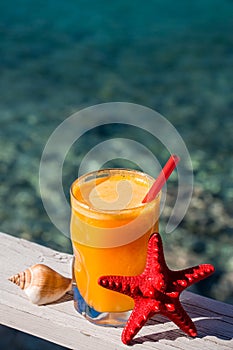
x=162 y=178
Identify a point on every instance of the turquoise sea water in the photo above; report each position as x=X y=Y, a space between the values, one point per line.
x=57 y=57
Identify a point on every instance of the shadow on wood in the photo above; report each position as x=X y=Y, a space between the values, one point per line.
x=67 y=297
x=205 y=327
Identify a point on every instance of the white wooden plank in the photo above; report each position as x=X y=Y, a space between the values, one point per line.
x=61 y=324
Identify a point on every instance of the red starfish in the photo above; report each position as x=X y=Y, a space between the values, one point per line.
x=156 y=290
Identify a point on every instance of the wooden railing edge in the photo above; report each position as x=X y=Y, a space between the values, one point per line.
x=60 y=323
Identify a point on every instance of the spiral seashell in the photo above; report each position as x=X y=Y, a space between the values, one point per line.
x=42 y=284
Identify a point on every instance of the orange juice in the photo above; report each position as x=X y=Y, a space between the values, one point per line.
x=110 y=229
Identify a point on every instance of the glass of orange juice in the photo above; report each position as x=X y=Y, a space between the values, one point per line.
x=110 y=229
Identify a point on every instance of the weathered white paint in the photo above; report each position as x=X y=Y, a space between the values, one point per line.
x=61 y=324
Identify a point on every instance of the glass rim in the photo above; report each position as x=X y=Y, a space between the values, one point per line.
x=112 y=211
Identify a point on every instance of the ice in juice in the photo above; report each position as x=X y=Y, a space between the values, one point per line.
x=110 y=228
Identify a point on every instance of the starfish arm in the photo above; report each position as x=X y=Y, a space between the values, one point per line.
x=122 y=284
x=185 y=278
x=181 y=319
x=155 y=256
x=143 y=310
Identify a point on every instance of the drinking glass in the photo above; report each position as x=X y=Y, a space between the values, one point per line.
x=110 y=229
